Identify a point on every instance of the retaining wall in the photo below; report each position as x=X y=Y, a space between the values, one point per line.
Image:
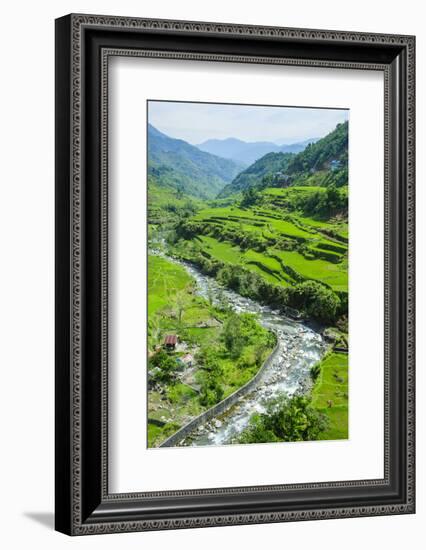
x=220 y=407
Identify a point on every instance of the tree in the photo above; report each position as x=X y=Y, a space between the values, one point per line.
x=209 y=360
x=210 y=294
x=211 y=391
x=162 y=367
x=316 y=300
x=286 y=419
x=209 y=377
x=250 y=196
x=232 y=335
x=181 y=302
x=267 y=181
x=259 y=353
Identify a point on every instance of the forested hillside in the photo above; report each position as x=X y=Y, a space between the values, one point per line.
x=265 y=169
x=319 y=155
x=175 y=164
x=323 y=163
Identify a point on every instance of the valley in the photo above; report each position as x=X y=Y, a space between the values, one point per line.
x=235 y=269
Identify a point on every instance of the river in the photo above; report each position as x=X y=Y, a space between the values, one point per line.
x=299 y=348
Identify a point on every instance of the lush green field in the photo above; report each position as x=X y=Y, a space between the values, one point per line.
x=294 y=199
x=330 y=395
x=267 y=238
x=166 y=205
x=227 y=349
x=270 y=264
x=164 y=279
x=334 y=275
x=248 y=220
x=258 y=263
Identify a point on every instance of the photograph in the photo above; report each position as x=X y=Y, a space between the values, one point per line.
x=234 y=274
x=247 y=283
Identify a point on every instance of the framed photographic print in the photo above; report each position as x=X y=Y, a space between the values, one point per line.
x=234 y=274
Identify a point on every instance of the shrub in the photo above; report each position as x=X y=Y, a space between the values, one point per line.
x=316 y=300
x=287 y=419
x=211 y=389
x=162 y=367
x=315 y=371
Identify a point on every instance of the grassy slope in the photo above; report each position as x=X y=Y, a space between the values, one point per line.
x=251 y=221
x=334 y=275
x=263 y=222
x=227 y=252
x=164 y=278
x=180 y=165
x=282 y=198
x=164 y=204
x=331 y=387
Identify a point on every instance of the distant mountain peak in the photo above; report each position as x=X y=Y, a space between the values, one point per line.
x=248 y=152
x=176 y=164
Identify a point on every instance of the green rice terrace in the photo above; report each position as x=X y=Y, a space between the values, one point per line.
x=260 y=266
x=330 y=394
x=283 y=248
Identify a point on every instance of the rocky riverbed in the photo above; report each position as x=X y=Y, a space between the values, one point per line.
x=299 y=348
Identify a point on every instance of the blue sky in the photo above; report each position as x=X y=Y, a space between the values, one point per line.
x=197 y=122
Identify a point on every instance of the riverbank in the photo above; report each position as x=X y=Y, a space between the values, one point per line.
x=299 y=348
x=214 y=350
x=185 y=434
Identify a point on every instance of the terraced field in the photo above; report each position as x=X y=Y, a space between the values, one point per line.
x=334 y=275
x=165 y=205
x=164 y=279
x=282 y=246
x=268 y=267
x=293 y=197
x=256 y=221
x=330 y=395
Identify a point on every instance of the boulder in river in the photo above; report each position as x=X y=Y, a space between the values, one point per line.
x=330 y=334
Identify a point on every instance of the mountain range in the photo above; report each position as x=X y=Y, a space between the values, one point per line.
x=175 y=164
x=184 y=168
x=248 y=152
x=324 y=162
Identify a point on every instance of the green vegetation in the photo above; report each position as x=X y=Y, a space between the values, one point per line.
x=276 y=232
x=223 y=350
x=175 y=164
x=268 y=243
x=321 y=415
x=319 y=155
x=330 y=394
x=164 y=280
x=287 y=419
x=323 y=163
x=166 y=206
x=260 y=172
x=333 y=275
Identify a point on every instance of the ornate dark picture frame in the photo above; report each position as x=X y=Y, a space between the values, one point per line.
x=84 y=44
